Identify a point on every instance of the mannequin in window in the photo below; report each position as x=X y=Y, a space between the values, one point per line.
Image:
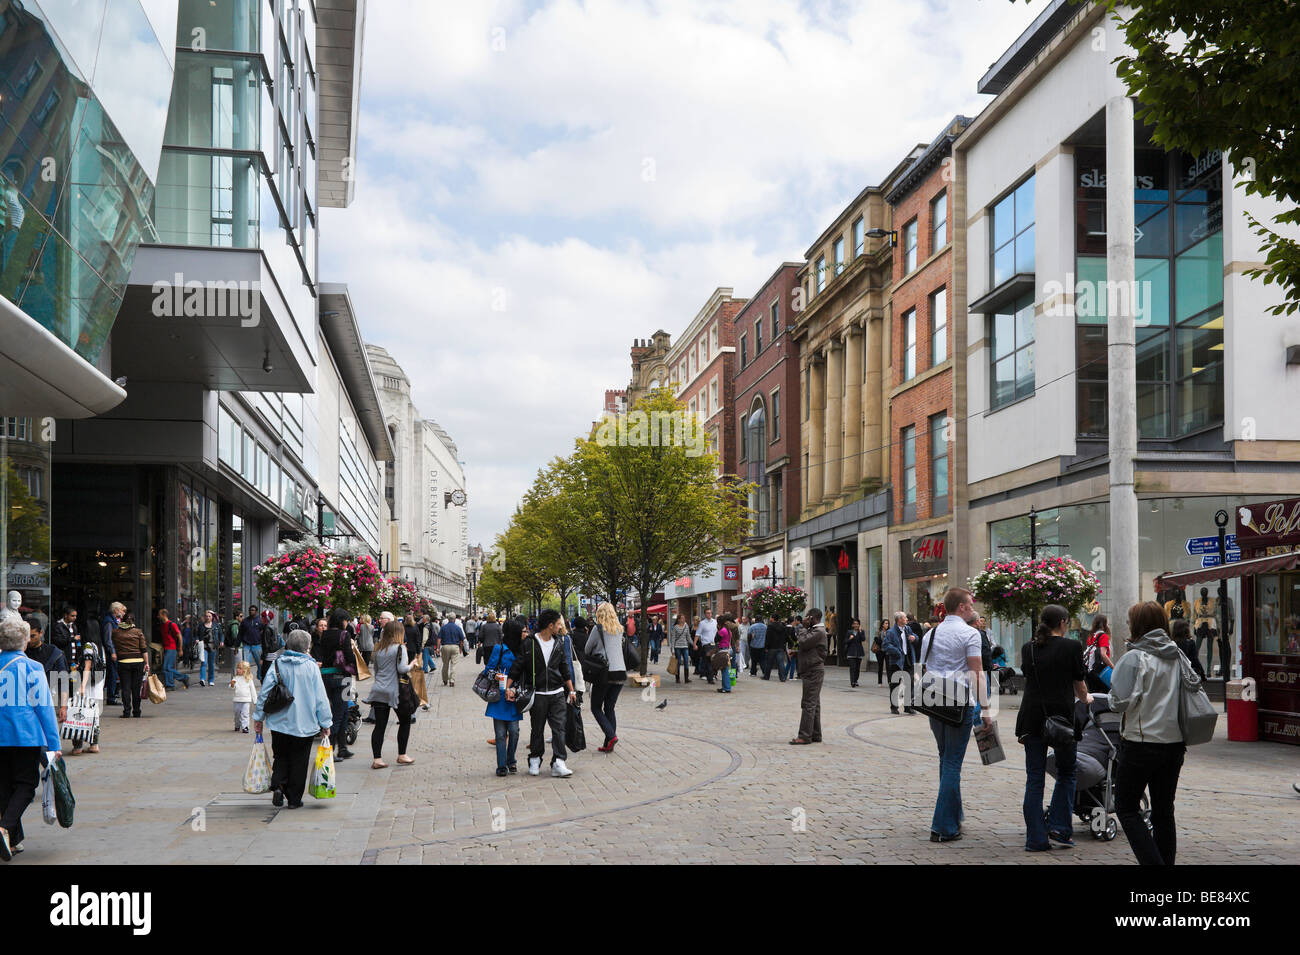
x=1204 y=622
x=1176 y=609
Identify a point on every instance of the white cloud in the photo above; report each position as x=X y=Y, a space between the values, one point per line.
x=517 y=176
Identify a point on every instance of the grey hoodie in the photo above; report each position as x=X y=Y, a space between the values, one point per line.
x=1146 y=686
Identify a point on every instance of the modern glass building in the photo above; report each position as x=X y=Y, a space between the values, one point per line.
x=83 y=105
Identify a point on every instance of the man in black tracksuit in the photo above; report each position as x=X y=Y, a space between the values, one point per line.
x=544 y=665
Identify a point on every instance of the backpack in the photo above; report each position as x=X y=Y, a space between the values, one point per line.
x=270 y=639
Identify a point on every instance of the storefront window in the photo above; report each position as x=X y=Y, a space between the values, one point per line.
x=1269 y=613
x=25 y=512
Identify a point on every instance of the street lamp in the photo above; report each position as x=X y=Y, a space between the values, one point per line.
x=891 y=234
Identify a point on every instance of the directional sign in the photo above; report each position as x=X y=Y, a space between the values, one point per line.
x=1209 y=545
x=1212 y=560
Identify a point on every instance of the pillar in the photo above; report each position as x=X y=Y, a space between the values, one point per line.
x=873 y=432
x=852 y=464
x=834 y=418
x=1122 y=407
x=816 y=427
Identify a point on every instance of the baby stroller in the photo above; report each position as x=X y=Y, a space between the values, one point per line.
x=352 y=724
x=1094 y=800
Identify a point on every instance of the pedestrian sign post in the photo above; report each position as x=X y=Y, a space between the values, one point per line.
x=1212 y=560
x=1209 y=545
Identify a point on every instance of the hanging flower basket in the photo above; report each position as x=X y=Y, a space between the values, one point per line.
x=399 y=597
x=296 y=581
x=356 y=584
x=1017 y=590
x=779 y=602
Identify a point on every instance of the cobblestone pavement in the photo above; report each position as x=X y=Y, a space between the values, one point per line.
x=708 y=778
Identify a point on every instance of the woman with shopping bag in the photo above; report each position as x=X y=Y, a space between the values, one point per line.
x=28 y=730
x=87 y=704
x=294 y=706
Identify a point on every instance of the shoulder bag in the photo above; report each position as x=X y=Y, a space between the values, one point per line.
x=524 y=695
x=408 y=700
x=1196 y=715
x=1057 y=730
x=486 y=686
x=595 y=666
x=943 y=709
x=279 y=697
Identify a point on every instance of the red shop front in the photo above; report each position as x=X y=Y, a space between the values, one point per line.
x=1268 y=536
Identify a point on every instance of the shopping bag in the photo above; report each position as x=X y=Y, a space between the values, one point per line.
x=732 y=673
x=417 y=684
x=672 y=666
x=82 y=722
x=321 y=785
x=157 y=692
x=48 y=811
x=575 y=738
x=54 y=776
x=363 y=671
x=257 y=777
x=989 y=743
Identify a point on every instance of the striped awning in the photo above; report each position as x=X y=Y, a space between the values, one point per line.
x=1242 y=568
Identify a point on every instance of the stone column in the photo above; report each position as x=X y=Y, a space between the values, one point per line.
x=873 y=431
x=834 y=418
x=852 y=465
x=816 y=427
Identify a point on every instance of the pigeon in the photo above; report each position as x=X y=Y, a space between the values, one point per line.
x=662 y=705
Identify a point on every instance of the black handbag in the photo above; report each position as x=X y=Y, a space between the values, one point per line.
x=575 y=738
x=947 y=711
x=1057 y=730
x=595 y=666
x=631 y=659
x=279 y=698
x=408 y=701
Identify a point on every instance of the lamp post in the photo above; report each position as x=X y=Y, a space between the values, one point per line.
x=1221 y=520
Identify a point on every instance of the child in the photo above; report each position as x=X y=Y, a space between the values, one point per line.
x=245 y=693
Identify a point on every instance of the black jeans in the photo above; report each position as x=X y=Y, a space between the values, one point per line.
x=774 y=659
x=380 y=712
x=1155 y=766
x=132 y=677
x=880 y=669
x=604 y=696
x=855 y=666
x=548 y=709
x=292 y=758
x=757 y=658
x=20 y=769
x=334 y=687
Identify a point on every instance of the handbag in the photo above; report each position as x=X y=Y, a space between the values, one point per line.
x=279 y=698
x=55 y=776
x=575 y=738
x=951 y=712
x=408 y=701
x=1196 y=715
x=1057 y=730
x=672 y=665
x=157 y=692
x=595 y=666
x=486 y=685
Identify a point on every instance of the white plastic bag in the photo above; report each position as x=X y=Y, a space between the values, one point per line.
x=48 y=811
x=257 y=777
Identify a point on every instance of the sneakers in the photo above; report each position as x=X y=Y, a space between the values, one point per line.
x=534 y=765
x=514 y=769
x=559 y=770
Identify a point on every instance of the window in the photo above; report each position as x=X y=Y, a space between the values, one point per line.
x=744 y=354
x=713 y=397
x=821 y=274
x=704 y=353
x=774 y=493
x=1012 y=227
x=838 y=249
x=938 y=465
x=713 y=340
x=249 y=470
x=939 y=221
x=939 y=327
x=15 y=429
x=909 y=344
x=775 y=311
x=694 y=366
x=392 y=384
x=224 y=444
x=690 y=407
x=743 y=431
x=776 y=414
x=908 y=441
x=807 y=391
x=42 y=115
x=859 y=237
x=758 y=336
x=1012 y=352
x=681 y=372
x=909 y=248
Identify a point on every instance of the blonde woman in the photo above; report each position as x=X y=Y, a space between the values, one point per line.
x=391 y=659
x=609 y=655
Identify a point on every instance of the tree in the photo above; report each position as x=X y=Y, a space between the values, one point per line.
x=1219 y=75
x=675 y=513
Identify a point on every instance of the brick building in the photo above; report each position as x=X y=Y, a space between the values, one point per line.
x=922 y=421
x=767 y=427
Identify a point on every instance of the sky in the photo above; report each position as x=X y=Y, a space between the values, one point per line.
x=538 y=184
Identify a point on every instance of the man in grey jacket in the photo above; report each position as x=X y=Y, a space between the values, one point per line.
x=812 y=672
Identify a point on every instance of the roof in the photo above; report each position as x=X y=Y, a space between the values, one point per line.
x=338 y=323
x=921 y=166
x=1027 y=46
x=340 y=29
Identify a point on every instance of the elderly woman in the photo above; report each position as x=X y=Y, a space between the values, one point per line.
x=27 y=727
x=295 y=728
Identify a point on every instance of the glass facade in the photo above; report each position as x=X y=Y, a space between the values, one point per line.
x=77 y=159
x=1012 y=352
x=1178 y=215
x=359 y=485
x=1012 y=227
x=25 y=511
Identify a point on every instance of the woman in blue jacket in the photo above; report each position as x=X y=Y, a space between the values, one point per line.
x=504 y=713
x=27 y=728
x=295 y=728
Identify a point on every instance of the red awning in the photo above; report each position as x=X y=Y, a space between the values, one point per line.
x=1242 y=568
x=657 y=608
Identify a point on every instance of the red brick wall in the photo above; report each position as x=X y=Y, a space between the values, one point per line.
x=722 y=366
x=933 y=396
x=777 y=366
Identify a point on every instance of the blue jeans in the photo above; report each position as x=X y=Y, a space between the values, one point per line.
x=683 y=655
x=253 y=654
x=507 y=741
x=110 y=679
x=791 y=666
x=210 y=664
x=170 y=676
x=1061 y=811
x=427 y=654
x=726 y=679
x=952 y=742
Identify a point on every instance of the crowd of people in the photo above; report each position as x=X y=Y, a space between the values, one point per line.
x=546 y=667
